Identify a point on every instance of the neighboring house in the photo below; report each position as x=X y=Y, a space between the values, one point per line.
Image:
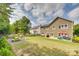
x=35 y=30
x=58 y=28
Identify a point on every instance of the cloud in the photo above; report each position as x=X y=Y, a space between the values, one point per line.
x=43 y=10
x=74 y=14
x=42 y=21
x=39 y=12
x=28 y=6
x=16 y=14
x=59 y=13
x=48 y=9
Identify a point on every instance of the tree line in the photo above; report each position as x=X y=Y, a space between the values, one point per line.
x=20 y=26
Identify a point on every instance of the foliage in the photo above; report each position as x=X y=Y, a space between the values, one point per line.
x=11 y=29
x=5 y=11
x=3 y=42
x=16 y=37
x=6 y=52
x=76 y=29
x=5 y=48
x=22 y=25
x=76 y=39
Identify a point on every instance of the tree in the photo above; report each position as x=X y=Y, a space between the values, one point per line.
x=11 y=28
x=5 y=48
x=76 y=29
x=22 y=25
x=5 y=11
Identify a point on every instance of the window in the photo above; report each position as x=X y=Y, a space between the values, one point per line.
x=53 y=27
x=59 y=34
x=62 y=34
x=52 y=34
x=59 y=27
x=64 y=26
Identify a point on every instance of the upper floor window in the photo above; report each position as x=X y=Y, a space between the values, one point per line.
x=63 y=26
x=53 y=27
x=59 y=27
x=66 y=26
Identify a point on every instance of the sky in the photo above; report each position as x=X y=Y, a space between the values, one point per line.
x=44 y=13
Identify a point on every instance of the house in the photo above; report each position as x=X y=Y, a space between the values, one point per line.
x=35 y=30
x=59 y=27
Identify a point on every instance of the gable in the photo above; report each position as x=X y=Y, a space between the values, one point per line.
x=57 y=19
x=60 y=19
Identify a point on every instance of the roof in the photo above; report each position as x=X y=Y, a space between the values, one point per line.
x=55 y=20
x=35 y=27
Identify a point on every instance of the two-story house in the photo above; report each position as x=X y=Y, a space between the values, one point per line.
x=59 y=27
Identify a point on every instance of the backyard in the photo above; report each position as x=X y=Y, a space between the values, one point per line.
x=39 y=45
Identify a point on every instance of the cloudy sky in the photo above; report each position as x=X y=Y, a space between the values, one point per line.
x=43 y=13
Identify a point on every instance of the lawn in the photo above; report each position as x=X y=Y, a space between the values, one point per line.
x=52 y=43
x=70 y=47
x=42 y=41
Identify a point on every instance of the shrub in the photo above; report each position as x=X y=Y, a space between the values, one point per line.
x=5 y=48
x=4 y=43
x=5 y=52
x=17 y=37
x=75 y=39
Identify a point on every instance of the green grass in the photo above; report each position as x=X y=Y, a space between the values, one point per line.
x=34 y=50
x=38 y=45
x=42 y=41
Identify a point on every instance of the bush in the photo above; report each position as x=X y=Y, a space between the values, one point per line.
x=4 y=43
x=5 y=48
x=5 y=52
x=16 y=37
x=75 y=39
